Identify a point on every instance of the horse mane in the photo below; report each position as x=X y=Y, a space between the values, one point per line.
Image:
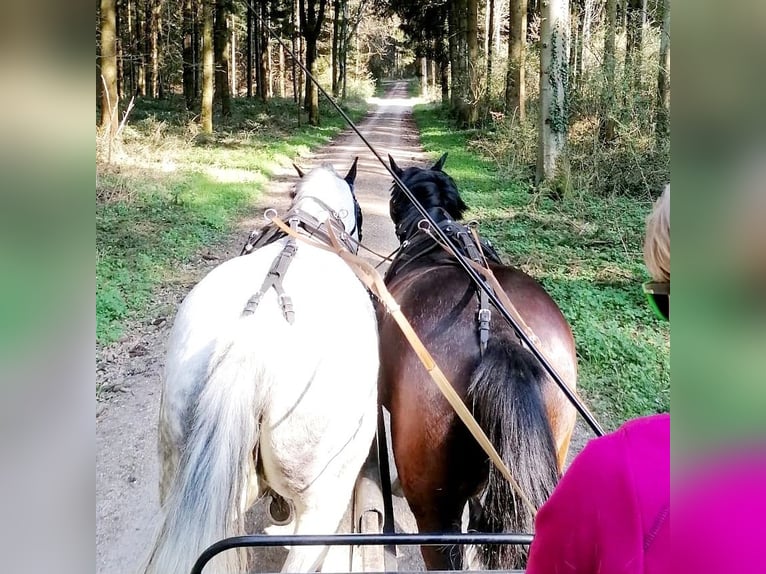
x=438 y=194
x=433 y=189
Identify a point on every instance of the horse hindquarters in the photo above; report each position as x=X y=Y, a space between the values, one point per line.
x=206 y=500
x=507 y=395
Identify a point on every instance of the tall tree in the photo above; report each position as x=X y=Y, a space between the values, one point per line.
x=472 y=61
x=139 y=46
x=312 y=18
x=208 y=68
x=554 y=49
x=153 y=13
x=264 y=53
x=336 y=39
x=608 y=123
x=635 y=16
x=575 y=54
x=221 y=55
x=188 y=16
x=109 y=103
x=458 y=53
x=249 y=50
x=233 y=53
x=515 y=90
x=662 y=125
x=490 y=45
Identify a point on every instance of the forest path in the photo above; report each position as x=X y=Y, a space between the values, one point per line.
x=127 y=471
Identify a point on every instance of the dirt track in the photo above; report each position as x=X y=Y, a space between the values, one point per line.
x=126 y=466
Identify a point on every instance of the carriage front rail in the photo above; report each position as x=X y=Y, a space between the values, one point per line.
x=435 y=539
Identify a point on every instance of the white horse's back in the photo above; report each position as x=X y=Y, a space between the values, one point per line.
x=296 y=401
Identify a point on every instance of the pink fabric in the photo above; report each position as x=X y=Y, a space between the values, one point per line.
x=719 y=515
x=611 y=511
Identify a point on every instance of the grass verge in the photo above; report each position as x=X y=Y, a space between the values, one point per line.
x=166 y=195
x=587 y=252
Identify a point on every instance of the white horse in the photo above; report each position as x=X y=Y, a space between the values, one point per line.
x=282 y=396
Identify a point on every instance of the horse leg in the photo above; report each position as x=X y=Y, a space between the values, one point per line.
x=318 y=512
x=439 y=515
x=562 y=450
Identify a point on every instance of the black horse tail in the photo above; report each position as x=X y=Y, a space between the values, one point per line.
x=506 y=395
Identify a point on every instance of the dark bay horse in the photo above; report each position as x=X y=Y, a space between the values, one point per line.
x=528 y=419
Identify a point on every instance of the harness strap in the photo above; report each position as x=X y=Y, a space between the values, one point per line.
x=470 y=242
x=274 y=280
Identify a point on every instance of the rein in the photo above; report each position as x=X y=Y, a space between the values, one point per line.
x=370 y=277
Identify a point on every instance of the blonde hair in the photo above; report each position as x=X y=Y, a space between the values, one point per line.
x=657 y=242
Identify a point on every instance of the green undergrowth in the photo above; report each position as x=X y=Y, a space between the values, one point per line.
x=168 y=193
x=587 y=253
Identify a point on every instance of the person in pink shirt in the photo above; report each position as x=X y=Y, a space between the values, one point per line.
x=610 y=513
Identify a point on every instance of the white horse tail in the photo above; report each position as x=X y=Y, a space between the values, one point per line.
x=208 y=498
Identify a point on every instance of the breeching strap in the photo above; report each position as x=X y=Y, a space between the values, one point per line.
x=374 y=282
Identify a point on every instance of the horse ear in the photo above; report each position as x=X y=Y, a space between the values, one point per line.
x=351 y=175
x=396 y=169
x=440 y=164
x=300 y=172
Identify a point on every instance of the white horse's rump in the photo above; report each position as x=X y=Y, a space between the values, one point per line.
x=251 y=401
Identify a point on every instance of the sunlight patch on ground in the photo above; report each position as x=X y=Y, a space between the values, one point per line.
x=403 y=102
x=233 y=175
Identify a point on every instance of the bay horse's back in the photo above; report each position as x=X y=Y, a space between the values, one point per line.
x=526 y=417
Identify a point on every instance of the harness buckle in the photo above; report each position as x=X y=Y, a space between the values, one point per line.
x=485 y=315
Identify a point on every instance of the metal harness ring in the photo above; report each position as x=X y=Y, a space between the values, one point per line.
x=270 y=214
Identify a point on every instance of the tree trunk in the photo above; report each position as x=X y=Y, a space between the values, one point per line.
x=249 y=51
x=208 y=67
x=129 y=76
x=335 y=39
x=576 y=51
x=119 y=52
x=515 y=89
x=138 y=48
x=282 y=73
x=109 y=104
x=422 y=67
x=312 y=94
x=554 y=45
x=585 y=57
x=472 y=44
x=490 y=45
x=233 y=58
x=634 y=40
x=662 y=125
x=222 y=95
x=312 y=18
x=296 y=34
x=458 y=60
x=608 y=123
x=264 y=64
x=198 y=17
x=258 y=45
x=154 y=45
x=188 y=53
x=345 y=37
